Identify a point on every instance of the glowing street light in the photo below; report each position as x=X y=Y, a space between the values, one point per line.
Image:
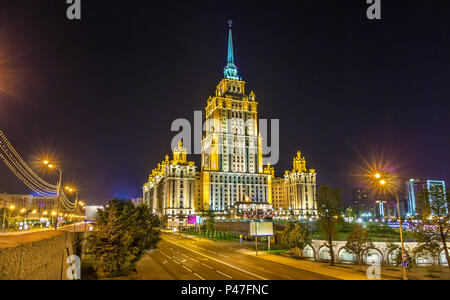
x=58 y=191
x=384 y=183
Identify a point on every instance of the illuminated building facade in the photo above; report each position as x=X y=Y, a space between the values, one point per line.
x=232 y=181
x=170 y=190
x=29 y=203
x=414 y=187
x=300 y=184
x=232 y=169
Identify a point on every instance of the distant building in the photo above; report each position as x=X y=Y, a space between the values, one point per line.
x=279 y=197
x=28 y=202
x=414 y=187
x=360 y=197
x=91 y=212
x=170 y=191
x=137 y=201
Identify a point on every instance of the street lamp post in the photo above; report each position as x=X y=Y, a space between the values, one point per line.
x=383 y=180
x=58 y=189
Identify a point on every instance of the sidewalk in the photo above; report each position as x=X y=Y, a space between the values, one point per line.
x=352 y=272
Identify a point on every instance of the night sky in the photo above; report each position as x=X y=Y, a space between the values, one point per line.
x=100 y=94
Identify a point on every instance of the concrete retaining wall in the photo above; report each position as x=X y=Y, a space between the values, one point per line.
x=40 y=255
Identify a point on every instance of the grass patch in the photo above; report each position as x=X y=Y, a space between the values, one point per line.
x=276 y=251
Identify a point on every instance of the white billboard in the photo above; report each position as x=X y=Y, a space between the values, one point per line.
x=261 y=229
x=91 y=211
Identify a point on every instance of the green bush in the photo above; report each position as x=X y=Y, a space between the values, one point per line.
x=124 y=233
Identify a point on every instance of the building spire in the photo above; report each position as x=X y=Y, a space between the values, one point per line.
x=230 y=44
x=231 y=71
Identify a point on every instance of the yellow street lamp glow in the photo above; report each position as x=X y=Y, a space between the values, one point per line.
x=50 y=166
x=378 y=175
x=382 y=182
x=53 y=213
x=12 y=207
x=23 y=210
x=45 y=213
x=45 y=162
x=34 y=211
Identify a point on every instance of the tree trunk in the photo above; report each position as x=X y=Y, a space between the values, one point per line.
x=330 y=241
x=444 y=241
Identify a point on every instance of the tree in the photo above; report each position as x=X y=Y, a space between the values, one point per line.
x=433 y=219
x=124 y=233
x=329 y=208
x=285 y=237
x=358 y=242
x=397 y=250
x=425 y=250
x=350 y=214
x=210 y=221
x=300 y=237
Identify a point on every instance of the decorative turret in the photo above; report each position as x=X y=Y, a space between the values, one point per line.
x=252 y=96
x=179 y=154
x=269 y=170
x=299 y=164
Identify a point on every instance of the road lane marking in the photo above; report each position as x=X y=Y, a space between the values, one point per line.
x=207 y=266
x=194 y=259
x=187 y=268
x=222 y=262
x=199 y=276
x=223 y=274
x=223 y=255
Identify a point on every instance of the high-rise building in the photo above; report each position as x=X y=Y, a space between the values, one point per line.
x=360 y=197
x=232 y=168
x=414 y=187
x=232 y=181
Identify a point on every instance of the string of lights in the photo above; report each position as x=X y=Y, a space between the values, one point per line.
x=66 y=201
x=23 y=172
x=41 y=193
x=27 y=176
x=13 y=150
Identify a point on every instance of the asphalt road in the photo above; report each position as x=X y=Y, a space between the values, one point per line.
x=181 y=258
x=79 y=227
